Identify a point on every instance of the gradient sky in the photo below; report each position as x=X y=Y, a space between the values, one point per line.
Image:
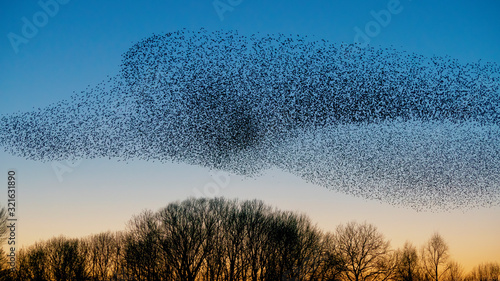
x=82 y=42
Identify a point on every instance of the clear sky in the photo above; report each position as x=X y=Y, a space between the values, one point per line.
x=77 y=43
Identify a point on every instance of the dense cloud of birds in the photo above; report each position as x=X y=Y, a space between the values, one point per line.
x=378 y=123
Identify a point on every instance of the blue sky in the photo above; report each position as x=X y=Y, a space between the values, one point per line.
x=82 y=43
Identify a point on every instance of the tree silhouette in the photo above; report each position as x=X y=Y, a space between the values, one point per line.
x=434 y=255
x=143 y=255
x=187 y=229
x=455 y=271
x=408 y=265
x=103 y=254
x=65 y=259
x=332 y=265
x=33 y=263
x=485 y=272
x=364 y=251
x=230 y=240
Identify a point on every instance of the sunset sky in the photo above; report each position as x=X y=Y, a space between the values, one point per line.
x=81 y=42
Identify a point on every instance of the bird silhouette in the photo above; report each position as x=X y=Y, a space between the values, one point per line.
x=378 y=123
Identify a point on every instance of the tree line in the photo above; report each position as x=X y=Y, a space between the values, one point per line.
x=222 y=239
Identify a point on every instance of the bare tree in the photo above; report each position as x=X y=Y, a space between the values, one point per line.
x=435 y=256
x=65 y=259
x=56 y=259
x=101 y=256
x=281 y=245
x=228 y=237
x=232 y=233
x=408 y=265
x=455 y=272
x=331 y=264
x=485 y=272
x=3 y=225
x=364 y=251
x=253 y=242
x=229 y=240
x=304 y=255
x=257 y=217
x=309 y=250
x=119 y=262
x=142 y=252
x=186 y=238
x=33 y=263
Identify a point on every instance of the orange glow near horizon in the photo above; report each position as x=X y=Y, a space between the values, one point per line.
x=471 y=235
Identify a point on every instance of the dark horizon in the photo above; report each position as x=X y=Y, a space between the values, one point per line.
x=221 y=239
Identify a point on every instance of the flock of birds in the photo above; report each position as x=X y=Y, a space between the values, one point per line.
x=406 y=129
